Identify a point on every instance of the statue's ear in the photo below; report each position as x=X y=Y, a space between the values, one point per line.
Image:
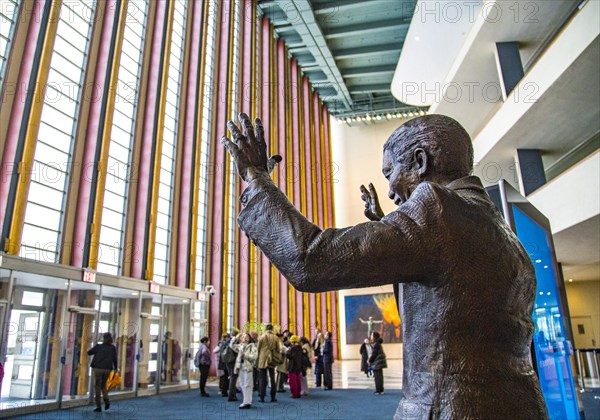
x=420 y=159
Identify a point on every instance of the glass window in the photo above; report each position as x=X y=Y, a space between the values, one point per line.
x=121 y=139
x=167 y=173
x=52 y=159
x=231 y=231
x=209 y=49
x=9 y=10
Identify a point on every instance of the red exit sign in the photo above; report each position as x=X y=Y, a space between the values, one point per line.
x=89 y=276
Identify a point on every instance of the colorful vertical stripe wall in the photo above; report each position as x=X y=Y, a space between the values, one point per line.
x=227 y=60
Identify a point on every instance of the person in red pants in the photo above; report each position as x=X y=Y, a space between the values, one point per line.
x=295 y=366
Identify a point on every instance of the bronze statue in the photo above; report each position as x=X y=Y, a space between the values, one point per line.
x=466 y=284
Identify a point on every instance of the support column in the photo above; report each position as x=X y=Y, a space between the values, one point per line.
x=530 y=170
x=510 y=68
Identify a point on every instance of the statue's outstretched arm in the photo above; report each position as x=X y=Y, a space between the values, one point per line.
x=395 y=249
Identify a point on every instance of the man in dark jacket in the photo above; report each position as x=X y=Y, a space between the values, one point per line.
x=377 y=361
x=105 y=360
x=327 y=362
x=466 y=284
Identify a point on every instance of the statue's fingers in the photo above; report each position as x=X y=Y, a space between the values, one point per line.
x=247 y=125
x=272 y=162
x=231 y=147
x=372 y=190
x=235 y=132
x=260 y=133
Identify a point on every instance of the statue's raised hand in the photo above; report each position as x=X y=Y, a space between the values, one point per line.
x=249 y=149
x=372 y=208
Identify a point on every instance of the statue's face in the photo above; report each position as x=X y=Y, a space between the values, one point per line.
x=403 y=178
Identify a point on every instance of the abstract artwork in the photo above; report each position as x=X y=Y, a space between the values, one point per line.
x=367 y=313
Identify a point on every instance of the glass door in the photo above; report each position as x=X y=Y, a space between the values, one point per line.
x=119 y=315
x=149 y=343
x=175 y=345
x=80 y=335
x=31 y=347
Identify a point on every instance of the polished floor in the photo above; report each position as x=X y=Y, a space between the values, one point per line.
x=351 y=398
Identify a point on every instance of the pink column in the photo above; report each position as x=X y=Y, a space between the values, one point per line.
x=189 y=139
x=294 y=171
x=218 y=172
x=308 y=174
x=281 y=133
x=318 y=173
x=265 y=275
x=146 y=162
x=12 y=156
x=328 y=168
x=243 y=252
x=92 y=137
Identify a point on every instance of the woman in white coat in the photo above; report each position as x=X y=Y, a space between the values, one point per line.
x=244 y=366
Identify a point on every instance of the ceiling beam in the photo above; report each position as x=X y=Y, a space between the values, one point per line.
x=301 y=16
x=332 y=7
x=368 y=71
x=367 y=28
x=367 y=51
x=377 y=88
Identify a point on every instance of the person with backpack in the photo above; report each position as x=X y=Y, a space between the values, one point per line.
x=268 y=357
x=221 y=366
x=105 y=359
x=202 y=362
x=295 y=366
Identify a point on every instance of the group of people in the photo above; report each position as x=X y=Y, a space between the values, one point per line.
x=373 y=360
x=249 y=361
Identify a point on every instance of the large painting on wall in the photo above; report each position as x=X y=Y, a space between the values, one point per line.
x=366 y=313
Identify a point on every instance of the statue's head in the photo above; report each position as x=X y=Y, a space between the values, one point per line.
x=431 y=148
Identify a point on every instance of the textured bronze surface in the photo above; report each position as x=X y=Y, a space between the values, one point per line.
x=467 y=285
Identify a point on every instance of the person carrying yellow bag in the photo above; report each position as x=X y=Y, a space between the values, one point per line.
x=104 y=361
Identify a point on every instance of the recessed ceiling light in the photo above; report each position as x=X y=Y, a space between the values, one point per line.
x=545 y=266
x=399 y=115
x=538 y=261
x=548 y=293
x=388 y=116
x=417 y=38
x=541 y=293
x=134 y=293
x=570 y=280
x=368 y=117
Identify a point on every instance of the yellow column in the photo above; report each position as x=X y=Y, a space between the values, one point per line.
x=13 y=241
x=159 y=142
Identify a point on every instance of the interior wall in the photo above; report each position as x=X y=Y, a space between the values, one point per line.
x=357 y=155
x=584 y=299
